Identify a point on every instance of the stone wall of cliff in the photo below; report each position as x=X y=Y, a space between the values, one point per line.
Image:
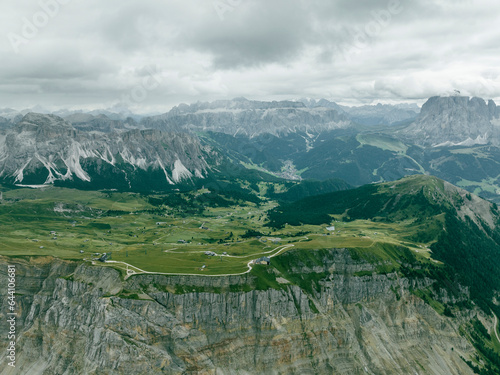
x=75 y=318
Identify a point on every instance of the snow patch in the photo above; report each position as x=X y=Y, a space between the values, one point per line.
x=32 y=186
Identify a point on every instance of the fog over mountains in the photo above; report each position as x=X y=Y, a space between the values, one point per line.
x=380 y=114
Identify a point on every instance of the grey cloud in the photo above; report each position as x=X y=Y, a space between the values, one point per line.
x=255 y=33
x=93 y=52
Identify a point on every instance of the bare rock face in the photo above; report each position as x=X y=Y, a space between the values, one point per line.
x=455 y=120
x=74 y=319
x=43 y=149
x=380 y=114
x=100 y=123
x=250 y=118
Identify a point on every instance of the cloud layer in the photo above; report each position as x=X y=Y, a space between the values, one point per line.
x=151 y=55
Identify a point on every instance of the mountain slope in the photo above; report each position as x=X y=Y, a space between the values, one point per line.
x=362 y=157
x=461 y=229
x=44 y=149
x=100 y=123
x=370 y=115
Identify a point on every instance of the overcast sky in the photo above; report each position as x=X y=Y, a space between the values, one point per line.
x=153 y=54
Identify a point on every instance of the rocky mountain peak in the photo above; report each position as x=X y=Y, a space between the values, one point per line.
x=45 y=125
x=234 y=104
x=455 y=120
x=43 y=120
x=456 y=106
x=247 y=117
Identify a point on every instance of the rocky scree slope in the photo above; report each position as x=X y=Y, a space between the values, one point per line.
x=44 y=149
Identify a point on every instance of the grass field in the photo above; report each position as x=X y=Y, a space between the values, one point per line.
x=74 y=224
x=382 y=141
x=484 y=185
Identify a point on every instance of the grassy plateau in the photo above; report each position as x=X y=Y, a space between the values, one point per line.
x=168 y=234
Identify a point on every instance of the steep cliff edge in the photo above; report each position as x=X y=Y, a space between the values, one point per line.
x=75 y=318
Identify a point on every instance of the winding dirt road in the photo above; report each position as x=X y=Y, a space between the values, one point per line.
x=133 y=270
x=495 y=327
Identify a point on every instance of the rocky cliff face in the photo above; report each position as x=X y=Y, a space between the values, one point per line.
x=100 y=123
x=383 y=114
x=455 y=120
x=42 y=149
x=249 y=118
x=77 y=318
x=380 y=114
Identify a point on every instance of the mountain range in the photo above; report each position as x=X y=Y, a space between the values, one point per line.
x=249 y=118
x=380 y=114
x=455 y=138
x=45 y=149
x=328 y=247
